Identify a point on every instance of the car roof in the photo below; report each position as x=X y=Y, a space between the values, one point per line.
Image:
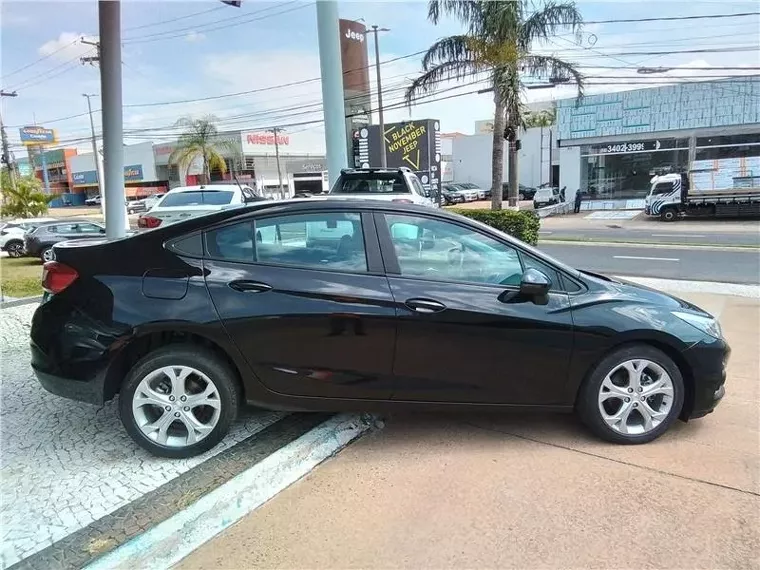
x=71 y=221
x=211 y=187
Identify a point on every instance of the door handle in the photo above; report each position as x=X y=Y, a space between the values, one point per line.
x=425 y=306
x=250 y=286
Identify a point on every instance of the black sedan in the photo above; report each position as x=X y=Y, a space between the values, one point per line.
x=39 y=241
x=338 y=305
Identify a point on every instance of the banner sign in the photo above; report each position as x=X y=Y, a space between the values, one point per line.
x=413 y=144
x=132 y=173
x=37 y=136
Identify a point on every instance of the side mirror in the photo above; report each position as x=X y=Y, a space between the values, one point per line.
x=102 y=231
x=535 y=284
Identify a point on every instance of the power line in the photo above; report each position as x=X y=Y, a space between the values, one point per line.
x=36 y=61
x=673 y=18
x=173 y=19
x=238 y=22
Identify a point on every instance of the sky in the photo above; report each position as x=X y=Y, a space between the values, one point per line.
x=183 y=50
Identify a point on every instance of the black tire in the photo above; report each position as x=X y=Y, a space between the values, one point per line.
x=587 y=403
x=668 y=215
x=201 y=359
x=15 y=248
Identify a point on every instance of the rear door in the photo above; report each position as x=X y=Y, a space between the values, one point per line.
x=305 y=299
x=465 y=334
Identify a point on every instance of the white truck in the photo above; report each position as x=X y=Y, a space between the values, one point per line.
x=720 y=188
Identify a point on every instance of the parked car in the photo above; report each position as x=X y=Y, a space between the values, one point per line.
x=450 y=195
x=524 y=193
x=12 y=234
x=482 y=194
x=265 y=304
x=189 y=201
x=39 y=241
x=94 y=201
x=545 y=197
x=468 y=194
x=399 y=185
x=145 y=204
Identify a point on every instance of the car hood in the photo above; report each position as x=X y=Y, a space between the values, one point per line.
x=623 y=290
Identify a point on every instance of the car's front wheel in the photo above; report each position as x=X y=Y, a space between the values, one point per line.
x=15 y=248
x=179 y=401
x=632 y=396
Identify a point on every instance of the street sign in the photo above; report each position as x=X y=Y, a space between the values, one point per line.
x=34 y=136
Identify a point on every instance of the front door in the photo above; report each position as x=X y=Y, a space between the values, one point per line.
x=307 y=306
x=465 y=333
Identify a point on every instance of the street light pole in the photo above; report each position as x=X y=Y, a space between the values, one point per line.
x=383 y=158
x=276 y=131
x=109 y=25
x=6 y=150
x=95 y=155
x=332 y=87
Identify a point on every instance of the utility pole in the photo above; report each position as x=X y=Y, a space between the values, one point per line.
x=7 y=159
x=95 y=155
x=276 y=131
x=328 y=33
x=109 y=57
x=383 y=159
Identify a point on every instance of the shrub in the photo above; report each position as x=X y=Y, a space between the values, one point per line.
x=523 y=225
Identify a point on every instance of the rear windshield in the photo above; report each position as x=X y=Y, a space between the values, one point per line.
x=197 y=198
x=374 y=184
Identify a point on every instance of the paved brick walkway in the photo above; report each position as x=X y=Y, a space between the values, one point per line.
x=66 y=464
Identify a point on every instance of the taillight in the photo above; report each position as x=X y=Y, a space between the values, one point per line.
x=402 y=201
x=148 y=222
x=57 y=276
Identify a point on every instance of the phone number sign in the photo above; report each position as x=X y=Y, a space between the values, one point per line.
x=637 y=146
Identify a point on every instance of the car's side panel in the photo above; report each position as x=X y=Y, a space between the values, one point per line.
x=311 y=333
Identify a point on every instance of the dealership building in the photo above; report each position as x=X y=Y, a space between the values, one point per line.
x=611 y=144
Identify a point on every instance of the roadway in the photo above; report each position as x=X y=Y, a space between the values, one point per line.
x=727 y=239
x=734 y=265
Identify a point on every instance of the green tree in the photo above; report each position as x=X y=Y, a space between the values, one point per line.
x=497 y=45
x=545 y=118
x=200 y=139
x=27 y=200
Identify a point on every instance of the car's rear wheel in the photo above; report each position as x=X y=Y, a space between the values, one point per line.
x=47 y=254
x=632 y=396
x=521 y=197
x=179 y=401
x=15 y=248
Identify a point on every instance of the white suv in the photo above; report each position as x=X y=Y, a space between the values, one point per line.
x=186 y=202
x=388 y=184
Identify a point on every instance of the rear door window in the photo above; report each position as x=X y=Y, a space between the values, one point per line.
x=378 y=184
x=198 y=198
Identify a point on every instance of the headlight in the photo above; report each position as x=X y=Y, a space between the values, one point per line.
x=708 y=325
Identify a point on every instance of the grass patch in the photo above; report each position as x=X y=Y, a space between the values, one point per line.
x=20 y=277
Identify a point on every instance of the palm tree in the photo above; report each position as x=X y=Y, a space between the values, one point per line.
x=497 y=46
x=26 y=200
x=545 y=118
x=200 y=140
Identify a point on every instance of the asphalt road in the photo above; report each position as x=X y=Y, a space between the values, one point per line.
x=722 y=265
x=616 y=232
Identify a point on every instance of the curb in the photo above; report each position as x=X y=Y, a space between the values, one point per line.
x=582 y=242
x=710 y=287
x=19 y=302
x=170 y=541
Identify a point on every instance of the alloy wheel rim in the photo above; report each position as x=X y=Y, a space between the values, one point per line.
x=176 y=406
x=47 y=255
x=14 y=250
x=635 y=397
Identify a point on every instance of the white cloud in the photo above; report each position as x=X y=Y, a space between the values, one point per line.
x=195 y=36
x=68 y=46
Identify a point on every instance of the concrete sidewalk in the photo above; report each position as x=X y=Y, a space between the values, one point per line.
x=498 y=491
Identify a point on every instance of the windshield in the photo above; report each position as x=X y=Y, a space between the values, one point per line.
x=197 y=198
x=544 y=193
x=469 y=186
x=372 y=184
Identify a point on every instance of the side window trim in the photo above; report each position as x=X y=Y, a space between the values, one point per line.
x=393 y=269
x=372 y=248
